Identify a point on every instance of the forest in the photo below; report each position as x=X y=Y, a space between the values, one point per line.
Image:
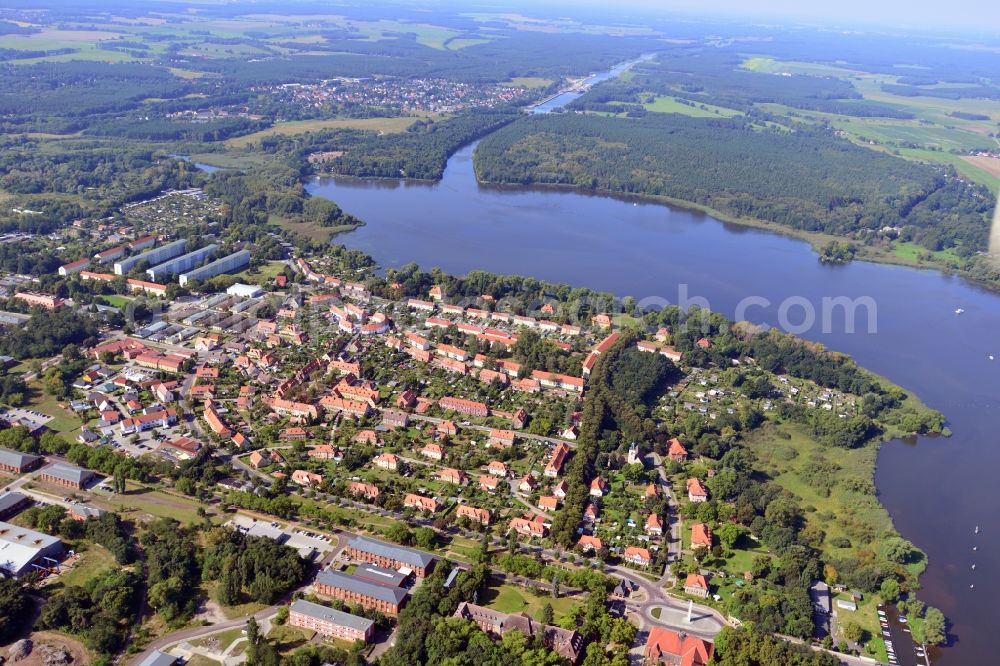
x=806 y=179
x=715 y=77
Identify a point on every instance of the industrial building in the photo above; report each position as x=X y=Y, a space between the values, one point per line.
x=218 y=267
x=241 y=290
x=183 y=263
x=22 y=550
x=153 y=257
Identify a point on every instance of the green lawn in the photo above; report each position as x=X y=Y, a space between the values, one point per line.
x=313 y=232
x=157 y=503
x=666 y=104
x=508 y=598
x=199 y=660
x=261 y=274
x=912 y=252
x=93 y=561
x=116 y=300
x=63 y=422
x=288 y=638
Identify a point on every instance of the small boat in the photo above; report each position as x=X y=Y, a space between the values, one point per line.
x=959 y=311
x=975 y=548
x=972 y=587
x=977 y=530
x=991 y=357
x=973 y=567
x=902 y=619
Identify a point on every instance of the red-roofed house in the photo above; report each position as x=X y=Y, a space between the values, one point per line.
x=665 y=646
x=696 y=585
x=637 y=556
x=701 y=536
x=654 y=526
x=676 y=451
x=696 y=490
x=475 y=514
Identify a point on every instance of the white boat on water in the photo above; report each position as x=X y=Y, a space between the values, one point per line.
x=959 y=311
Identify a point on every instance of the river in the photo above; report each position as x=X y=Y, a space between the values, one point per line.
x=937 y=490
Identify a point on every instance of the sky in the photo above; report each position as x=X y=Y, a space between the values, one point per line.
x=975 y=14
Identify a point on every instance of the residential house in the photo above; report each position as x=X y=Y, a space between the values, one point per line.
x=696 y=585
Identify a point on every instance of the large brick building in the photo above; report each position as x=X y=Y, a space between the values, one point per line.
x=330 y=622
x=390 y=556
x=354 y=590
x=567 y=643
x=67 y=476
x=17 y=462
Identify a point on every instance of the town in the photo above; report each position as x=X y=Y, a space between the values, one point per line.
x=409 y=95
x=384 y=437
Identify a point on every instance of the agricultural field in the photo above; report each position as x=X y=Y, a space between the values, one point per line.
x=666 y=104
x=381 y=125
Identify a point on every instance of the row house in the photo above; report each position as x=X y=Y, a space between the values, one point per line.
x=463 y=406
x=214 y=420
x=335 y=405
x=474 y=514
x=163 y=418
x=301 y=410
x=451 y=365
x=554 y=380
x=559 y=454
x=421 y=503
x=528 y=528
x=367 y=490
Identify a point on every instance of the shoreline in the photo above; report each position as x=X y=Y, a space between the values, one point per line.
x=814 y=239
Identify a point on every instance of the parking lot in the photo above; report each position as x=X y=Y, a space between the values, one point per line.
x=309 y=544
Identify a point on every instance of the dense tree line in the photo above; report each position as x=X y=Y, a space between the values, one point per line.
x=806 y=178
x=752 y=647
x=254 y=568
x=98 y=611
x=714 y=76
x=14 y=607
x=420 y=152
x=48 y=332
x=173 y=573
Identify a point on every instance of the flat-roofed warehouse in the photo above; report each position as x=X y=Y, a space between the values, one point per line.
x=390 y=556
x=22 y=549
